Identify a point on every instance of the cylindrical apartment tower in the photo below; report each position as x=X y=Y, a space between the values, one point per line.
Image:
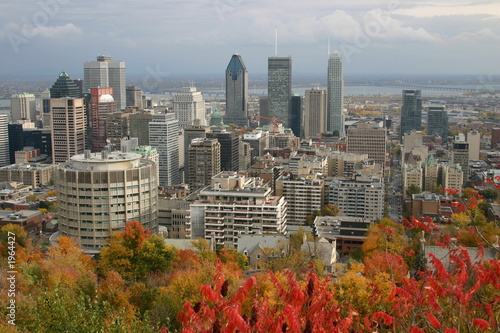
x=99 y=192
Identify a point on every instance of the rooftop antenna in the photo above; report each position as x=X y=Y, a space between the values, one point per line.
x=276 y=41
x=328 y=45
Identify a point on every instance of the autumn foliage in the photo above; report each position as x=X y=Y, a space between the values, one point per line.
x=463 y=297
x=139 y=284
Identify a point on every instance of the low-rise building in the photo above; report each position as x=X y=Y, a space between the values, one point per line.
x=347 y=233
x=29 y=220
x=33 y=174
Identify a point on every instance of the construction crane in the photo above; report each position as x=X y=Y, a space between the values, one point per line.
x=274 y=121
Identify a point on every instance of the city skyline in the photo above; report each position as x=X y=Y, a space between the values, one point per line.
x=398 y=37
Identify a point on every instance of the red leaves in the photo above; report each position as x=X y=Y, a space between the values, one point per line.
x=450 y=191
x=430 y=303
x=235 y=321
x=450 y=330
x=415 y=223
x=388 y=320
x=482 y=324
x=433 y=320
x=392 y=264
x=210 y=294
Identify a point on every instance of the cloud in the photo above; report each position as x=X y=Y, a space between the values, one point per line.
x=383 y=26
x=479 y=35
x=63 y=31
x=27 y=32
x=440 y=9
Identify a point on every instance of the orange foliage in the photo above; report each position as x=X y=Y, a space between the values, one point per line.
x=392 y=264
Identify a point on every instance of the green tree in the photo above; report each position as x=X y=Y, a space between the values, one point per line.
x=490 y=194
x=413 y=189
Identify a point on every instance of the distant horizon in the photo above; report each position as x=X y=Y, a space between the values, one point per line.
x=176 y=76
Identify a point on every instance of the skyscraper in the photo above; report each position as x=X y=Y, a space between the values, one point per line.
x=164 y=136
x=4 y=140
x=189 y=105
x=296 y=105
x=64 y=87
x=117 y=127
x=134 y=97
x=202 y=162
x=196 y=130
x=139 y=127
x=23 y=106
x=335 y=113
x=236 y=92
x=68 y=124
x=229 y=148
x=279 y=86
x=411 y=112
x=460 y=155
x=101 y=104
x=105 y=73
x=314 y=112
x=437 y=122
x=45 y=107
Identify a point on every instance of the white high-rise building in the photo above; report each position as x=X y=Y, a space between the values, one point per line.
x=315 y=102
x=303 y=195
x=23 y=106
x=188 y=106
x=474 y=141
x=234 y=205
x=99 y=193
x=68 y=122
x=105 y=73
x=335 y=112
x=362 y=196
x=164 y=136
x=4 y=140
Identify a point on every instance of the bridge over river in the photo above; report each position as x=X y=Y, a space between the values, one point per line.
x=421 y=87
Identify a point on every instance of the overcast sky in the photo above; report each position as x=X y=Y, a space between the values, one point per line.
x=42 y=37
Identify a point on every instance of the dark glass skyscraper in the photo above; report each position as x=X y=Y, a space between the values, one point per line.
x=437 y=122
x=279 y=85
x=229 y=148
x=296 y=113
x=411 y=111
x=236 y=92
x=64 y=87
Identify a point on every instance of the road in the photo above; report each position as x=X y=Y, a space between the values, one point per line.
x=395 y=190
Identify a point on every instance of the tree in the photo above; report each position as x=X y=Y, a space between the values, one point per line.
x=489 y=194
x=413 y=189
x=134 y=253
x=326 y=210
x=385 y=236
x=52 y=193
x=32 y=197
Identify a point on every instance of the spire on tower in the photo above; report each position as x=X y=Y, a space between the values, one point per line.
x=276 y=41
